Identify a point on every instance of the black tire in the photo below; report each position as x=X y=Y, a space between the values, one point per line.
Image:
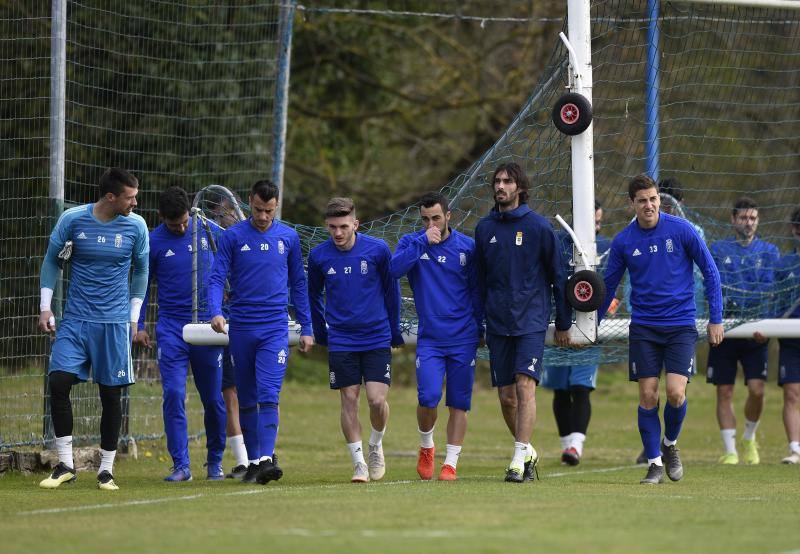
x=572 y=114
x=586 y=291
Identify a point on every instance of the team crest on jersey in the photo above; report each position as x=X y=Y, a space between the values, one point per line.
x=424 y=256
x=332 y=378
x=169 y=253
x=462 y=258
x=669 y=245
x=518 y=240
x=117 y=240
x=759 y=262
x=203 y=243
x=82 y=235
x=364 y=268
x=281 y=247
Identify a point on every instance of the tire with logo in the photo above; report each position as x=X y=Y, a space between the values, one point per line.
x=586 y=291
x=572 y=114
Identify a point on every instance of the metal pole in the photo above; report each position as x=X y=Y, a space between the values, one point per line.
x=652 y=101
x=282 y=99
x=58 y=96
x=580 y=37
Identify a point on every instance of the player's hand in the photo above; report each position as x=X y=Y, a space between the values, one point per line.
x=561 y=338
x=759 y=338
x=47 y=322
x=613 y=307
x=142 y=338
x=715 y=333
x=218 y=324
x=305 y=344
x=434 y=235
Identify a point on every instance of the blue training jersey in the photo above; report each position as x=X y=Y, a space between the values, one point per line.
x=787 y=286
x=102 y=254
x=747 y=274
x=660 y=263
x=261 y=268
x=445 y=285
x=171 y=269
x=361 y=306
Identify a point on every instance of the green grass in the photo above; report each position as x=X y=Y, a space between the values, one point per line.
x=597 y=507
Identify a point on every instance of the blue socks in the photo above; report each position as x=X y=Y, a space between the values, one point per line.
x=267 y=428
x=650 y=430
x=673 y=420
x=248 y=419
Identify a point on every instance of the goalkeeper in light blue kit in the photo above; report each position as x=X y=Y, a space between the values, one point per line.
x=101 y=241
x=659 y=251
x=171 y=268
x=262 y=260
x=358 y=320
x=440 y=264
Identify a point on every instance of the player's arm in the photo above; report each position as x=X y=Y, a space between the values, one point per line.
x=391 y=295
x=702 y=257
x=299 y=288
x=142 y=338
x=48 y=276
x=316 y=287
x=216 y=281
x=480 y=268
x=615 y=268
x=556 y=276
x=407 y=254
x=475 y=295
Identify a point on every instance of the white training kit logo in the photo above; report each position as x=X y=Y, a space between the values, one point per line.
x=245 y=248
x=169 y=253
x=727 y=260
x=637 y=253
x=388 y=371
x=282 y=357
x=493 y=240
x=424 y=256
x=331 y=271
x=82 y=235
x=532 y=367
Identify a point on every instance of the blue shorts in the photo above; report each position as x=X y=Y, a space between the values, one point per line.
x=259 y=360
x=723 y=361
x=562 y=377
x=102 y=350
x=789 y=361
x=651 y=348
x=353 y=368
x=509 y=356
x=228 y=374
x=456 y=364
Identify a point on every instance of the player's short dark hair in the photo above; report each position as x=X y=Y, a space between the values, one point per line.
x=516 y=173
x=598 y=205
x=430 y=199
x=340 y=207
x=795 y=220
x=744 y=203
x=640 y=182
x=173 y=203
x=114 y=180
x=671 y=186
x=265 y=189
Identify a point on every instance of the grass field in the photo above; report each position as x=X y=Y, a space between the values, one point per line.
x=596 y=507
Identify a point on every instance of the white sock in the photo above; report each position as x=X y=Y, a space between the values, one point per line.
x=566 y=441
x=376 y=437
x=668 y=442
x=794 y=447
x=520 y=453
x=264 y=458
x=426 y=438
x=749 y=430
x=729 y=440
x=356 y=452
x=656 y=460
x=577 y=442
x=253 y=462
x=107 y=461
x=453 y=452
x=531 y=452
x=64 y=449
x=237 y=448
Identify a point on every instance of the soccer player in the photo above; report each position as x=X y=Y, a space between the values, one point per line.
x=746 y=265
x=788 y=288
x=659 y=251
x=572 y=384
x=519 y=269
x=94 y=337
x=225 y=216
x=262 y=260
x=358 y=321
x=171 y=267
x=440 y=264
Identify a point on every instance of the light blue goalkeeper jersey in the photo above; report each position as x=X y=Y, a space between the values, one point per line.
x=100 y=264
